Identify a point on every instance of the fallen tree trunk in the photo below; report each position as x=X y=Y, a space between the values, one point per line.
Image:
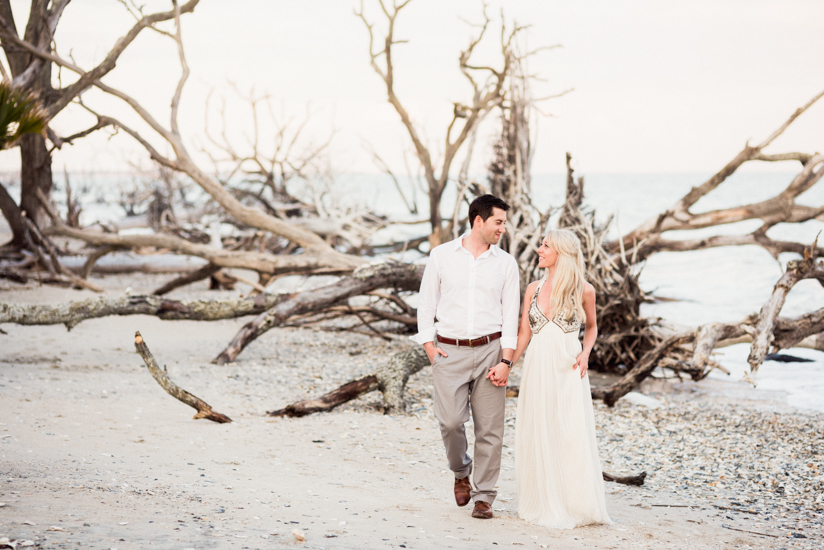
x=363 y=280
x=404 y=276
x=204 y=410
x=193 y=310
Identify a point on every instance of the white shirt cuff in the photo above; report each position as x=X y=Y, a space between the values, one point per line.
x=425 y=336
x=509 y=342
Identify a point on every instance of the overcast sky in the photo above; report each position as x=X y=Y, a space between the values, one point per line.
x=676 y=86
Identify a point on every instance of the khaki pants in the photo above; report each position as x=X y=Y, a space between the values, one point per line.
x=460 y=383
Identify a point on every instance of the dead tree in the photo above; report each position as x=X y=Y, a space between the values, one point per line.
x=509 y=173
x=316 y=253
x=30 y=60
x=647 y=238
x=627 y=338
x=280 y=171
x=488 y=89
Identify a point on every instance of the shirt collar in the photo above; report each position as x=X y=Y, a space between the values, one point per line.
x=457 y=244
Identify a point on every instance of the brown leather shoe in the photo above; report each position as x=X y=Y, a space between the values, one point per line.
x=483 y=510
x=462 y=490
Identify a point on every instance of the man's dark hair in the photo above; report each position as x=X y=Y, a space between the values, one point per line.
x=483 y=205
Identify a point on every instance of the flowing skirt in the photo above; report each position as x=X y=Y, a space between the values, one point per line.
x=556 y=453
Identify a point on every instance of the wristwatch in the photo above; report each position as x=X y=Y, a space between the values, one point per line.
x=507 y=362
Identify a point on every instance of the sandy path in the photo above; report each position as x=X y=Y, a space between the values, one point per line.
x=93 y=454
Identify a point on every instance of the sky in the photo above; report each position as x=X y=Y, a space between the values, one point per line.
x=658 y=87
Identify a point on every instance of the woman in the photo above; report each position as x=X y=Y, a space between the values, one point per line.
x=556 y=454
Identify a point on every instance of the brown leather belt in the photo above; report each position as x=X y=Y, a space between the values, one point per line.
x=483 y=340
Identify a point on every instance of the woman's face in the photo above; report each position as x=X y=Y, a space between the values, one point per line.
x=547 y=257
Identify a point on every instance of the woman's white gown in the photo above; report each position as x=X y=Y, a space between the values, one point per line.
x=556 y=453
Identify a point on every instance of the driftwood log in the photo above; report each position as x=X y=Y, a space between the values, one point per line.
x=204 y=410
x=193 y=310
x=363 y=280
x=626 y=480
x=284 y=306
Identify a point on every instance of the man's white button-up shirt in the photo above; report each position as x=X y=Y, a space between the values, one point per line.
x=466 y=297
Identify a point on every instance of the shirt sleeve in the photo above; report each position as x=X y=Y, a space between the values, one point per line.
x=511 y=302
x=428 y=302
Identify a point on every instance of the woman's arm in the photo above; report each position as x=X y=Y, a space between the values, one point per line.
x=590 y=330
x=524 y=332
x=524 y=335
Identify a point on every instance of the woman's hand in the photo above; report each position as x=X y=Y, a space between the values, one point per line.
x=499 y=374
x=582 y=362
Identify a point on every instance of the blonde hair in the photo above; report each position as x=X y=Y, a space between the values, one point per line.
x=568 y=282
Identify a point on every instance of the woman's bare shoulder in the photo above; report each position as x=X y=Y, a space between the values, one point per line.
x=530 y=288
x=589 y=290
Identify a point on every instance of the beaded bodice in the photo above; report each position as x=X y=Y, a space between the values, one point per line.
x=537 y=319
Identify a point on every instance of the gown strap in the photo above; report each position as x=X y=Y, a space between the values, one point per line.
x=537 y=319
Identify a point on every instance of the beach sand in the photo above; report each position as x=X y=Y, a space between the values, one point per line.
x=94 y=454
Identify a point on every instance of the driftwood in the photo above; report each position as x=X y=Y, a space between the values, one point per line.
x=204 y=272
x=192 y=310
x=204 y=410
x=640 y=371
x=624 y=335
x=362 y=281
x=327 y=402
x=284 y=307
x=41 y=245
x=764 y=331
x=488 y=91
x=261 y=262
x=390 y=378
x=647 y=238
x=626 y=480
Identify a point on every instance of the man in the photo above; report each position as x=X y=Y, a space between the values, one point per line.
x=468 y=325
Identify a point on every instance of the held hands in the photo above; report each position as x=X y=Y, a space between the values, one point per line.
x=499 y=374
x=582 y=362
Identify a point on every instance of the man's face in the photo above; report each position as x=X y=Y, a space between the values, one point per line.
x=491 y=229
